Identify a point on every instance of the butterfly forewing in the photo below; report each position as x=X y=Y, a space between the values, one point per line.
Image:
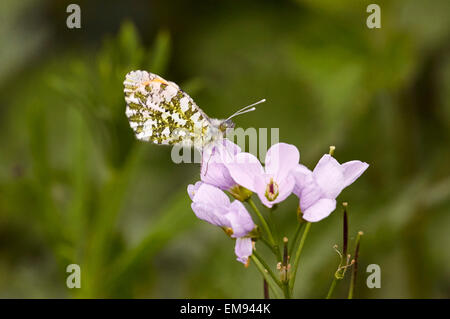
x=158 y=111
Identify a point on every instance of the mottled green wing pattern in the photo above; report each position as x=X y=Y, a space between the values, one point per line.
x=158 y=111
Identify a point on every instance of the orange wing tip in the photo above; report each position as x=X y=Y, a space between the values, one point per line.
x=154 y=80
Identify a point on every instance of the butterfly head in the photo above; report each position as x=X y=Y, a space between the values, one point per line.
x=221 y=127
x=225 y=125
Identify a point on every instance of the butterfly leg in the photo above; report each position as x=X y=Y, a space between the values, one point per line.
x=207 y=163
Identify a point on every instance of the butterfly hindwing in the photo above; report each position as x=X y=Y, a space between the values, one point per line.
x=160 y=112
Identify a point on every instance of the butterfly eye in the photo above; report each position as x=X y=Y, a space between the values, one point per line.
x=225 y=125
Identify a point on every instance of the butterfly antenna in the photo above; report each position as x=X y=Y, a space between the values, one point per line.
x=246 y=109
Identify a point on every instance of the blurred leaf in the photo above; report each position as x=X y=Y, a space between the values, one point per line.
x=174 y=218
x=161 y=53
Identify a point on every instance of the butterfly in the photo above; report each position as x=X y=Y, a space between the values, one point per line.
x=160 y=112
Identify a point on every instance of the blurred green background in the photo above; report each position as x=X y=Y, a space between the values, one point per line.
x=76 y=187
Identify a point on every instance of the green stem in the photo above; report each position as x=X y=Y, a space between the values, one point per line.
x=285 y=267
x=294 y=240
x=286 y=290
x=265 y=274
x=298 y=253
x=333 y=285
x=355 y=266
x=266 y=228
x=269 y=271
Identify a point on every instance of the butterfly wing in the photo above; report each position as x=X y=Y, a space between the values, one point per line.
x=160 y=112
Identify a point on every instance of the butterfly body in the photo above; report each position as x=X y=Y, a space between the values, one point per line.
x=160 y=112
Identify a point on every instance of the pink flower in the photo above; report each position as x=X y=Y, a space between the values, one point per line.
x=318 y=189
x=211 y=204
x=214 y=171
x=273 y=183
x=243 y=249
x=192 y=189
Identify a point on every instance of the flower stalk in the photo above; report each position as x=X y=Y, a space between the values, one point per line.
x=266 y=289
x=285 y=270
x=298 y=254
x=344 y=258
x=269 y=271
x=265 y=273
x=331 y=290
x=296 y=235
x=266 y=228
x=345 y=230
x=355 y=266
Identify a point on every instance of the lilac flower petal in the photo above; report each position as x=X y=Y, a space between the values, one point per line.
x=244 y=169
x=309 y=195
x=240 y=220
x=321 y=209
x=213 y=215
x=192 y=189
x=210 y=195
x=301 y=175
x=328 y=174
x=285 y=189
x=226 y=150
x=265 y=201
x=220 y=152
x=218 y=175
x=353 y=170
x=243 y=249
x=230 y=146
x=213 y=169
x=281 y=158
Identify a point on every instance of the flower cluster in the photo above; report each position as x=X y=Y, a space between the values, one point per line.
x=226 y=169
